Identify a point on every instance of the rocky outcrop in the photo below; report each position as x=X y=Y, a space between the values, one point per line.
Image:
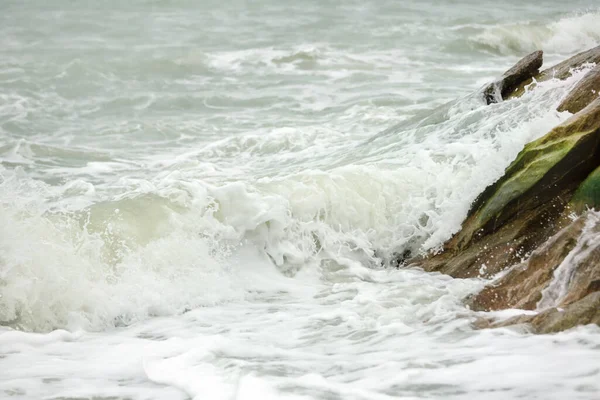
x=586 y=90
x=537 y=221
x=519 y=212
x=562 y=271
x=525 y=69
x=559 y=71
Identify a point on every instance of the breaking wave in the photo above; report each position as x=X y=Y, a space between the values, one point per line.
x=567 y=35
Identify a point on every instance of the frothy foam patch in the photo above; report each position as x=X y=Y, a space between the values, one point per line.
x=565 y=36
x=386 y=334
x=94 y=269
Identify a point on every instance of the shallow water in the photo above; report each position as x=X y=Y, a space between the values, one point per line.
x=200 y=199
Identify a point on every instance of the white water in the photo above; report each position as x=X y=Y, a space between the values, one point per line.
x=587 y=242
x=204 y=208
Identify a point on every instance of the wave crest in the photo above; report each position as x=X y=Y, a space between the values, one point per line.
x=567 y=35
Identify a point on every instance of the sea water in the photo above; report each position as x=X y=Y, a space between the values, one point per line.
x=203 y=199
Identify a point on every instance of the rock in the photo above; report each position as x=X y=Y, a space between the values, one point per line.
x=583 y=312
x=536 y=222
x=579 y=273
x=587 y=194
x=583 y=93
x=559 y=71
x=545 y=168
x=524 y=207
x=562 y=271
x=523 y=70
x=522 y=286
x=563 y=70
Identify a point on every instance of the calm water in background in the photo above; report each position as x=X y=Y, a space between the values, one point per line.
x=197 y=199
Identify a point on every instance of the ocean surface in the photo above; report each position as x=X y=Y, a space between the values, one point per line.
x=201 y=199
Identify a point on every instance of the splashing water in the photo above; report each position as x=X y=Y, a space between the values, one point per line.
x=196 y=203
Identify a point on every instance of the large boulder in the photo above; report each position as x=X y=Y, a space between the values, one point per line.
x=586 y=90
x=560 y=71
x=562 y=271
x=523 y=285
x=523 y=70
x=524 y=207
x=537 y=221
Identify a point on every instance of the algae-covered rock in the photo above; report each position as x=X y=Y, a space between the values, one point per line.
x=523 y=70
x=519 y=212
x=545 y=168
x=535 y=221
x=586 y=90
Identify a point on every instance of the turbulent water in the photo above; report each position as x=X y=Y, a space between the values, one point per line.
x=201 y=199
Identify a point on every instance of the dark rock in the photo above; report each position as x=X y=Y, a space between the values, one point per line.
x=523 y=70
x=559 y=71
x=583 y=93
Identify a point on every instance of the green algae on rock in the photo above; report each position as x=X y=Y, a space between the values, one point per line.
x=522 y=209
x=561 y=159
x=534 y=221
x=588 y=193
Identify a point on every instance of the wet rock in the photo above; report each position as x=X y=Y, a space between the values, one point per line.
x=522 y=286
x=562 y=271
x=583 y=93
x=519 y=212
x=587 y=194
x=583 y=312
x=523 y=70
x=563 y=70
x=544 y=169
x=559 y=71
x=535 y=222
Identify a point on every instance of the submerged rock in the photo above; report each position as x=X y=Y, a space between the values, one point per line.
x=583 y=93
x=523 y=70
